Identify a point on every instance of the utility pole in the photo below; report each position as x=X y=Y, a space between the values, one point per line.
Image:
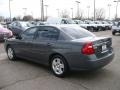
x=58 y=12
x=72 y=13
x=46 y=10
x=117 y=8
x=10 y=10
x=94 y=10
x=88 y=10
x=78 y=14
x=42 y=10
x=109 y=5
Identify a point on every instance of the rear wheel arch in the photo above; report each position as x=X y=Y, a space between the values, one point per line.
x=55 y=54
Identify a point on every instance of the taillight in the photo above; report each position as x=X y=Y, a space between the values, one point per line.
x=88 y=49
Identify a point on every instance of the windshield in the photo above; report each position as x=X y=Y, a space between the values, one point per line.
x=97 y=22
x=104 y=22
x=69 y=21
x=26 y=24
x=90 y=22
x=81 y=22
x=77 y=32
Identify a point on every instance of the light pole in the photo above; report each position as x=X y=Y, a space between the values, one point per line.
x=58 y=11
x=88 y=10
x=94 y=10
x=109 y=5
x=10 y=10
x=117 y=7
x=32 y=13
x=78 y=8
x=42 y=10
x=25 y=10
x=72 y=12
x=46 y=10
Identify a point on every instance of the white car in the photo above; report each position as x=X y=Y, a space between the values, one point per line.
x=82 y=24
x=92 y=25
x=108 y=26
x=100 y=26
x=116 y=28
x=59 y=21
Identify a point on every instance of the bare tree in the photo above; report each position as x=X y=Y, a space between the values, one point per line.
x=65 y=14
x=17 y=18
x=27 y=18
x=100 y=14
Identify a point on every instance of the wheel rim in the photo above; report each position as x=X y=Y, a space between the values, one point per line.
x=58 y=66
x=10 y=53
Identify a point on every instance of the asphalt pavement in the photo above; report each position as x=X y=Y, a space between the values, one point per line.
x=25 y=75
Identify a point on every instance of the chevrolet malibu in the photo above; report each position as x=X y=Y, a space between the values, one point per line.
x=62 y=48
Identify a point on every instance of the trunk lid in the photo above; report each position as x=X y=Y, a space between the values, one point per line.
x=102 y=45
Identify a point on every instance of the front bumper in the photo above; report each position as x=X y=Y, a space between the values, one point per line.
x=2 y=37
x=117 y=30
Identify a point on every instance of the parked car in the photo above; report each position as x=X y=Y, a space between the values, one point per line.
x=40 y=23
x=100 y=26
x=4 y=33
x=92 y=25
x=111 y=23
x=116 y=28
x=59 y=21
x=19 y=26
x=108 y=26
x=62 y=47
x=84 y=25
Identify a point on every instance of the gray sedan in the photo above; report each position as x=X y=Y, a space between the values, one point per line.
x=63 y=48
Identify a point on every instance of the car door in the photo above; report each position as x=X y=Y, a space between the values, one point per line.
x=24 y=45
x=44 y=42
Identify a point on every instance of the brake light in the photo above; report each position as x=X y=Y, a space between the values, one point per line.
x=88 y=49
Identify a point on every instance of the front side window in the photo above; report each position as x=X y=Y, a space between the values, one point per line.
x=47 y=33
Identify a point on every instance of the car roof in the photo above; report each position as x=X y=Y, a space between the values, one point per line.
x=58 y=26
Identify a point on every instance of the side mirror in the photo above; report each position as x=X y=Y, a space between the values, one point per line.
x=18 y=37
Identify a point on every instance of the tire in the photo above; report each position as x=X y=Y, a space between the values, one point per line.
x=113 y=33
x=59 y=66
x=91 y=29
x=100 y=29
x=11 y=54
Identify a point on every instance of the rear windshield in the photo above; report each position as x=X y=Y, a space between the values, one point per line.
x=77 y=32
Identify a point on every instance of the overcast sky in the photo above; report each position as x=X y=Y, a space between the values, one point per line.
x=33 y=7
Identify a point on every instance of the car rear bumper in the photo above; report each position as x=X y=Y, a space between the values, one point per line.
x=94 y=64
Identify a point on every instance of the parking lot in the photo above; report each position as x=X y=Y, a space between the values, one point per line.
x=24 y=75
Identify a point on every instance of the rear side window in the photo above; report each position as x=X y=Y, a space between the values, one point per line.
x=47 y=33
x=29 y=34
x=77 y=32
